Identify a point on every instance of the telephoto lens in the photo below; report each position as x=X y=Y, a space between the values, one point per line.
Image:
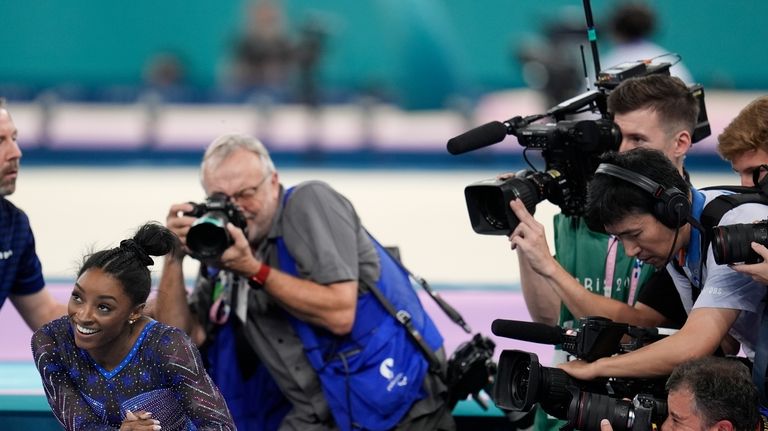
x=733 y=243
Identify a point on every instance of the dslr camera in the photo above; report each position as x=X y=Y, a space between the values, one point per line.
x=522 y=382
x=208 y=237
x=732 y=243
x=471 y=369
x=570 y=148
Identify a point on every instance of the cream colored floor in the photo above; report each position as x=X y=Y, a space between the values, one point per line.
x=73 y=210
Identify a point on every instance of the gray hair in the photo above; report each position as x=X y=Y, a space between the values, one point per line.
x=224 y=145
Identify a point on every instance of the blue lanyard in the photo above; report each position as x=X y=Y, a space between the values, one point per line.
x=693 y=252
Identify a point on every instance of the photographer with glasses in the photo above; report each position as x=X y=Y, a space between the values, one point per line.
x=291 y=291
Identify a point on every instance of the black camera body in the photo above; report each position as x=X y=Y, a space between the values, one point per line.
x=732 y=243
x=208 y=237
x=488 y=199
x=570 y=149
x=470 y=369
x=629 y=404
x=522 y=382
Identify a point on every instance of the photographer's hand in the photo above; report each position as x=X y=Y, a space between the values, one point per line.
x=700 y=336
x=331 y=306
x=758 y=271
x=239 y=256
x=171 y=306
x=179 y=223
x=530 y=239
x=605 y=425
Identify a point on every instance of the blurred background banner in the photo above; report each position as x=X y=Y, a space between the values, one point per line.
x=354 y=80
x=421 y=53
x=115 y=102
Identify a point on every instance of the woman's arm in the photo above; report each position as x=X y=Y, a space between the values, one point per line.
x=65 y=399
x=199 y=396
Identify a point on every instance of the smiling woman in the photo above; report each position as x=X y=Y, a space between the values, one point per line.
x=106 y=363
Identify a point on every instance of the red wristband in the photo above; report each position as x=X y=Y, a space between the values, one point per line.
x=261 y=276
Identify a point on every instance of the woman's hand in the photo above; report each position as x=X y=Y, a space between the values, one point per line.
x=139 y=421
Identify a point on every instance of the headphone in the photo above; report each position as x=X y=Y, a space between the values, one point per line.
x=672 y=207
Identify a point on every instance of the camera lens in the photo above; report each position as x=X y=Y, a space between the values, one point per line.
x=208 y=236
x=592 y=408
x=522 y=382
x=518 y=383
x=732 y=243
x=493 y=211
x=488 y=203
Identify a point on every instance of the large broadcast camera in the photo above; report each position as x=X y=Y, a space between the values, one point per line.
x=629 y=404
x=570 y=147
x=208 y=237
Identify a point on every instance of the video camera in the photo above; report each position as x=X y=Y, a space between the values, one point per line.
x=630 y=404
x=570 y=148
x=208 y=237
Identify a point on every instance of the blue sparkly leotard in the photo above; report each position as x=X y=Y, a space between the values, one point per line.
x=162 y=374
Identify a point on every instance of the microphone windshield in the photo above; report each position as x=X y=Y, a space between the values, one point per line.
x=528 y=331
x=479 y=137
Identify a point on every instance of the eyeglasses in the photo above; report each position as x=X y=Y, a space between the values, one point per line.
x=249 y=193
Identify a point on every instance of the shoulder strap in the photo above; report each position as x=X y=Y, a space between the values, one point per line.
x=404 y=318
x=401 y=316
x=715 y=209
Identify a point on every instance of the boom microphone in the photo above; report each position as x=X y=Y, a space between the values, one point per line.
x=489 y=134
x=479 y=137
x=528 y=331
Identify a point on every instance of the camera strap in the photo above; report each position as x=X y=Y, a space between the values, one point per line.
x=444 y=306
x=405 y=319
x=221 y=295
x=610 y=265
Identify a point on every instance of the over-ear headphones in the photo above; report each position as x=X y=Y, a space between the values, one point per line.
x=672 y=206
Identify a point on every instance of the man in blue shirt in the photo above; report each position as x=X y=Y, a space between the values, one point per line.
x=21 y=276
